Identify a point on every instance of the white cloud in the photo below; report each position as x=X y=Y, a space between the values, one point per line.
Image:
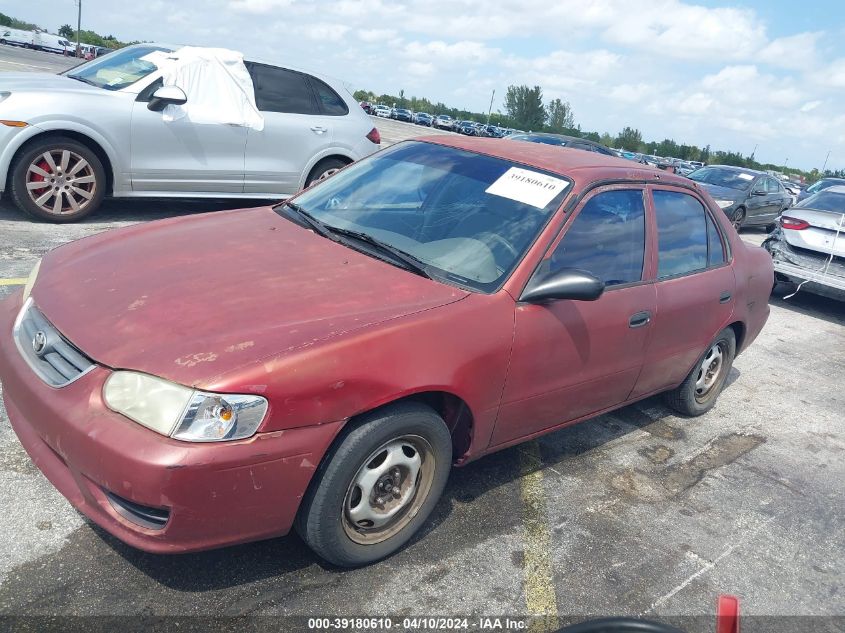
x=631 y=93
x=324 y=31
x=794 y=51
x=464 y=52
x=259 y=6
x=811 y=105
x=375 y=35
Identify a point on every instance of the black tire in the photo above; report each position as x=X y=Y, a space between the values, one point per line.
x=685 y=399
x=325 y=168
x=739 y=218
x=323 y=521
x=30 y=153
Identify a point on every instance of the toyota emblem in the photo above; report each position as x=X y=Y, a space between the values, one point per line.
x=39 y=342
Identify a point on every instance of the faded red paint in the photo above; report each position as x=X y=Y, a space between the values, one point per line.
x=246 y=301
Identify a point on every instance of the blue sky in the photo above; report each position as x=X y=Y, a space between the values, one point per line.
x=735 y=75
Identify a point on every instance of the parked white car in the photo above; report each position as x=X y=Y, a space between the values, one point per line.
x=15 y=37
x=51 y=43
x=382 y=111
x=101 y=129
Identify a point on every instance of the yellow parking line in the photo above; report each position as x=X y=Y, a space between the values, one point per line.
x=18 y=281
x=540 y=597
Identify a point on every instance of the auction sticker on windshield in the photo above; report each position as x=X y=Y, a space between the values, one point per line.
x=528 y=187
x=746 y=176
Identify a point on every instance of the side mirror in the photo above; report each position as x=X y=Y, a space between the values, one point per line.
x=757 y=192
x=568 y=283
x=167 y=95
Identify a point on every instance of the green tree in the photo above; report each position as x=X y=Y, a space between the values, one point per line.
x=606 y=140
x=67 y=32
x=631 y=139
x=525 y=106
x=14 y=23
x=560 y=116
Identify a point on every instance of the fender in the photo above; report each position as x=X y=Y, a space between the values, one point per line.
x=120 y=171
x=344 y=152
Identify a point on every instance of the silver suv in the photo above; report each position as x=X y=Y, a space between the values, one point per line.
x=68 y=140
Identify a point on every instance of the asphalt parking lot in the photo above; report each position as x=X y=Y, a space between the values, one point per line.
x=638 y=512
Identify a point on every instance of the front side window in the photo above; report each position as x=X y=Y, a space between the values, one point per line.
x=606 y=238
x=281 y=90
x=681 y=233
x=468 y=217
x=119 y=69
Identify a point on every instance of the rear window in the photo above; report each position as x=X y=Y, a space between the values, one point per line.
x=681 y=234
x=331 y=103
x=824 y=200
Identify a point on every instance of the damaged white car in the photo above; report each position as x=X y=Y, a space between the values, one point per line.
x=159 y=121
x=808 y=245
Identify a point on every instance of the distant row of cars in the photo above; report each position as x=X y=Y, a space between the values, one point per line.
x=48 y=42
x=440 y=121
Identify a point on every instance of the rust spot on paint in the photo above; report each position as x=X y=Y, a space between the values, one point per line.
x=137 y=303
x=239 y=346
x=196 y=359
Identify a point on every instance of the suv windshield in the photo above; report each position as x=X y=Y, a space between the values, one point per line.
x=119 y=69
x=824 y=201
x=722 y=177
x=468 y=217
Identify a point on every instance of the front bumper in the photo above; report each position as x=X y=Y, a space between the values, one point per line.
x=209 y=495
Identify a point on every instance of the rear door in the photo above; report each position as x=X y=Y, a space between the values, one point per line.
x=574 y=358
x=295 y=130
x=694 y=286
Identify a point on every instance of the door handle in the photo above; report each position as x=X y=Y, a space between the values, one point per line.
x=639 y=319
x=319 y=129
x=725 y=297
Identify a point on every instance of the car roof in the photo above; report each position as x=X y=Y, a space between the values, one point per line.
x=744 y=170
x=577 y=164
x=836 y=189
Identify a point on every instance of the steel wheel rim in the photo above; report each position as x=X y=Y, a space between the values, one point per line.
x=60 y=181
x=710 y=371
x=327 y=173
x=372 y=512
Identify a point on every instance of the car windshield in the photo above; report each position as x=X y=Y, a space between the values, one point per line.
x=467 y=217
x=119 y=69
x=824 y=200
x=721 y=177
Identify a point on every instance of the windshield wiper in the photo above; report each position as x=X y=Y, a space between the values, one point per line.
x=307 y=218
x=83 y=80
x=407 y=260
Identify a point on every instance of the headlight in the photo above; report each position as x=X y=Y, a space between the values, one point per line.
x=30 y=282
x=724 y=204
x=181 y=412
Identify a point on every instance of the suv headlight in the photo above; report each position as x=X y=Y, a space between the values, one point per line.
x=724 y=204
x=30 y=281
x=180 y=412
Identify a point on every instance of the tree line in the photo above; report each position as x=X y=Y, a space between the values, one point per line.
x=525 y=110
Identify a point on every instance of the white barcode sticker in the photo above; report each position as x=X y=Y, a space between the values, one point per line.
x=528 y=187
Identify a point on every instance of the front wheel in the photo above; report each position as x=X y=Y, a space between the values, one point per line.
x=697 y=394
x=57 y=179
x=378 y=486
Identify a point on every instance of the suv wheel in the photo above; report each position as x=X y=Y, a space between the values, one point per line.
x=58 y=179
x=324 y=169
x=697 y=394
x=378 y=486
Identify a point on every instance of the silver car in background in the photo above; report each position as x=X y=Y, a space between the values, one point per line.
x=808 y=244
x=68 y=140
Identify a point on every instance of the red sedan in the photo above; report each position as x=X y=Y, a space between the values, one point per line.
x=215 y=379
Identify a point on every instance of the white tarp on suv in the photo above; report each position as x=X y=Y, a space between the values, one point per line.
x=216 y=82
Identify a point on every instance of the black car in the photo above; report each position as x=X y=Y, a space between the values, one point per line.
x=423 y=118
x=466 y=127
x=748 y=197
x=561 y=140
x=401 y=114
x=824 y=183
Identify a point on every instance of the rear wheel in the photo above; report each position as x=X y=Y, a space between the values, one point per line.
x=378 y=486
x=738 y=219
x=58 y=179
x=698 y=393
x=324 y=169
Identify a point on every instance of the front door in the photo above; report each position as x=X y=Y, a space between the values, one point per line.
x=180 y=156
x=574 y=358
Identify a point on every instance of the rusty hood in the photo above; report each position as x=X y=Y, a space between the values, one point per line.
x=191 y=298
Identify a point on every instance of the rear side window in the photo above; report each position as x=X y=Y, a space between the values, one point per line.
x=281 y=90
x=681 y=233
x=715 y=248
x=331 y=103
x=607 y=238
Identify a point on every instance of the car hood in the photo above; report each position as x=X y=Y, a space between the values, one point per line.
x=42 y=82
x=722 y=193
x=189 y=299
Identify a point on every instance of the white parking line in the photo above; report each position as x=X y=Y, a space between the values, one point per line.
x=26 y=65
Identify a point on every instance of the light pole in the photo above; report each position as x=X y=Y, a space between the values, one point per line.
x=825 y=161
x=490 y=109
x=78 y=24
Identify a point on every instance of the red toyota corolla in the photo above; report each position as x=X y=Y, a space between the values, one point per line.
x=216 y=379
